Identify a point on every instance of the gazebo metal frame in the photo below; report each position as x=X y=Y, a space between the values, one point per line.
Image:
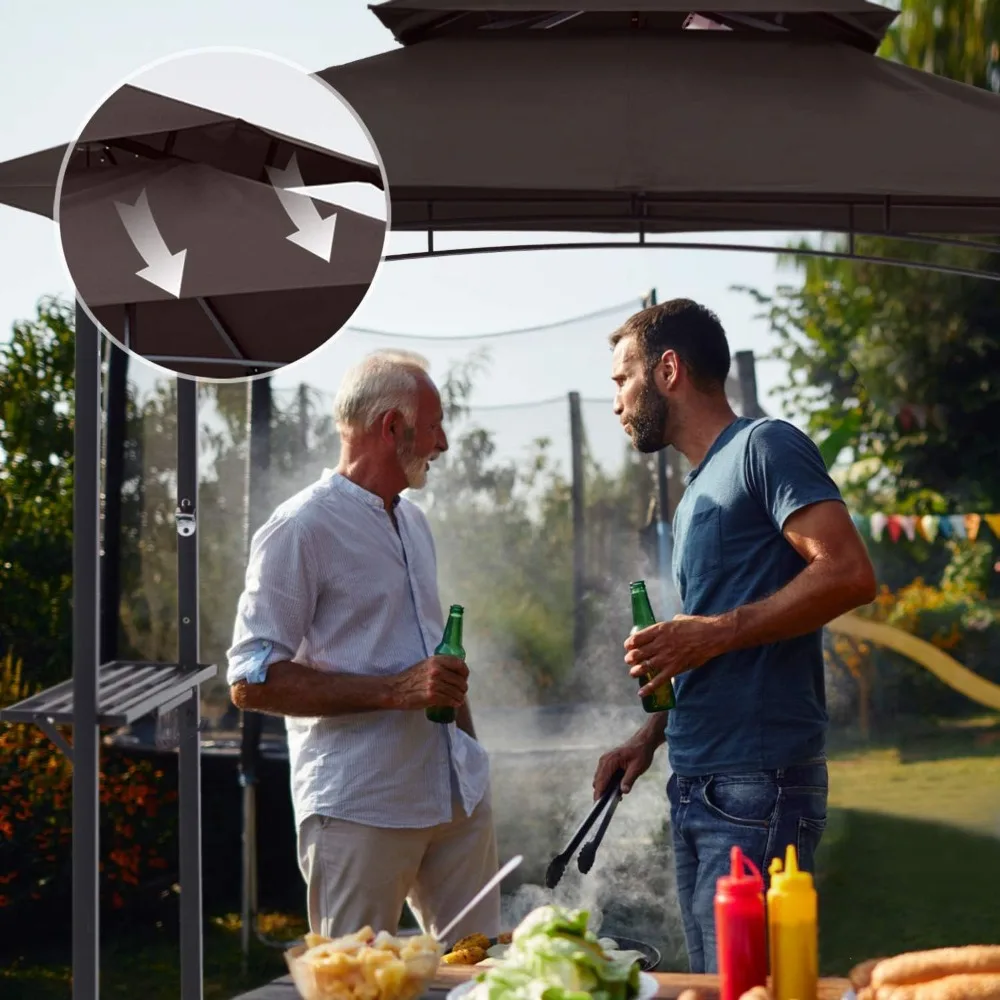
x=108 y=694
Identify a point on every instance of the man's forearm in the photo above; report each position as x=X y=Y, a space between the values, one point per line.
x=300 y=691
x=811 y=600
x=654 y=733
x=463 y=719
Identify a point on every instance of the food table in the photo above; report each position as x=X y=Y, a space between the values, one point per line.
x=672 y=984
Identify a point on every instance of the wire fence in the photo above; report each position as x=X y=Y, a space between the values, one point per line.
x=541 y=509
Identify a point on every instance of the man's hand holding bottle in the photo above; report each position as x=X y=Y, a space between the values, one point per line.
x=436 y=681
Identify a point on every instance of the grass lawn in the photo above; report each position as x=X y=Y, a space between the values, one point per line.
x=147 y=967
x=911 y=859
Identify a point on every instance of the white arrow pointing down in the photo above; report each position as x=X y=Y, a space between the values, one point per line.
x=314 y=233
x=164 y=269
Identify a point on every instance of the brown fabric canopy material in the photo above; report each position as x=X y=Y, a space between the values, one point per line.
x=674 y=132
x=136 y=126
x=854 y=22
x=278 y=327
x=234 y=231
x=246 y=289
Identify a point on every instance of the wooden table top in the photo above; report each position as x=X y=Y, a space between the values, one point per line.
x=672 y=984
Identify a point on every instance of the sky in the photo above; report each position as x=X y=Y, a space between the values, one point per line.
x=69 y=57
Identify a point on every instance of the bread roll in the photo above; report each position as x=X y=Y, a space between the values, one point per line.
x=961 y=987
x=923 y=966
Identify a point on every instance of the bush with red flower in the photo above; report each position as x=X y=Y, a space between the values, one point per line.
x=137 y=818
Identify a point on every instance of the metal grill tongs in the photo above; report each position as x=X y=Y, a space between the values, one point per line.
x=557 y=866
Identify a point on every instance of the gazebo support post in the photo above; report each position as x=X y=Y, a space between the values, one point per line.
x=86 y=623
x=189 y=722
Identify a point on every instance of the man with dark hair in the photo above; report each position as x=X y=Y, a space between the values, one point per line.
x=765 y=555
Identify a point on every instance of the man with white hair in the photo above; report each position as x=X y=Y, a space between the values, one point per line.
x=335 y=631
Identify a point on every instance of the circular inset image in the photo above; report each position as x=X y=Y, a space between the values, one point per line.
x=222 y=214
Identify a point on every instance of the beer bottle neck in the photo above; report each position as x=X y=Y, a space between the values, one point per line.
x=453 y=631
x=642 y=612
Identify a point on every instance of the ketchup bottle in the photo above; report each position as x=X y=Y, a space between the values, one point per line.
x=740 y=928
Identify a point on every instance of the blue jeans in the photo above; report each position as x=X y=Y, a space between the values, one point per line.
x=761 y=811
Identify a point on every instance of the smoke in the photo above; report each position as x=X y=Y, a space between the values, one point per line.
x=544 y=743
x=540 y=799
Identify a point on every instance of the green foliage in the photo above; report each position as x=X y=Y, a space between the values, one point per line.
x=36 y=783
x=953 y=38
x=864 y=341
x=970 y=568
x=36 y=490
x=956 y=618
x=504 y=534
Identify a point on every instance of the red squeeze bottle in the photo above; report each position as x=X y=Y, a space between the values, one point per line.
x=740 y=928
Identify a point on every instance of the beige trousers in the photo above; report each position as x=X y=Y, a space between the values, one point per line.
x=359 y=876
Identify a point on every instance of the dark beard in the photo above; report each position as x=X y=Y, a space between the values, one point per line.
x=649 y=422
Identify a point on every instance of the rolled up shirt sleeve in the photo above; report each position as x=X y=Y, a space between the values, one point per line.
x=278 y=602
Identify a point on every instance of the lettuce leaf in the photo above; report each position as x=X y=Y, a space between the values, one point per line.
x=554 y=956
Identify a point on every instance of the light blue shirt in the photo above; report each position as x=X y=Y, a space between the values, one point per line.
x=330 y=582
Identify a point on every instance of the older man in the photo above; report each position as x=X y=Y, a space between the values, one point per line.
x=765 y=554
x=335 y=631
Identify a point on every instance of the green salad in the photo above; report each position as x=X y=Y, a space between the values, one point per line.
x=553 y=956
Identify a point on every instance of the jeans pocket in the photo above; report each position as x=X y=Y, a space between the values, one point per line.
x=809 y=834
x=749 y=801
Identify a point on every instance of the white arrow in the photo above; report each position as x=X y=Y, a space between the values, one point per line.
x=165 y=269
x=314 y=233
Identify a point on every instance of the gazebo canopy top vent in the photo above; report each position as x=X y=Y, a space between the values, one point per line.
x=546 y=127
x=852 y=22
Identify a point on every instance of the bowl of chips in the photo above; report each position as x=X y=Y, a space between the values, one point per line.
x=364 y=966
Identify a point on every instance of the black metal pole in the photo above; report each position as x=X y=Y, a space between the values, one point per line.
x=579 y=525
x=86 y=617
x=746 y=372
x=189 y=755
x=257 y=497
x=114 y=468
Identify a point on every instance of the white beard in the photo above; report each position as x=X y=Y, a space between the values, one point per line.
x=414 y=468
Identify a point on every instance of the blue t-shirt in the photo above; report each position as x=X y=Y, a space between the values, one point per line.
x=765 y=707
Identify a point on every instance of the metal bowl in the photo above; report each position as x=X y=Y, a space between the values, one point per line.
x=651 y=961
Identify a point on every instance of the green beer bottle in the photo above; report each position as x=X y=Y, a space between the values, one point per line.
x=450 y=645
x=642 y=616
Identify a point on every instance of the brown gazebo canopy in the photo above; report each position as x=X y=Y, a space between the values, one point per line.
x=604 y=116
x=135 y=127
x=246 y=299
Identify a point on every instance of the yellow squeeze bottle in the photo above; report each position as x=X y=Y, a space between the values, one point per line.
x=793 y=930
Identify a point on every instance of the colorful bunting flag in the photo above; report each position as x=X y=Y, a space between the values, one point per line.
x=928 y=525
x=877 y=524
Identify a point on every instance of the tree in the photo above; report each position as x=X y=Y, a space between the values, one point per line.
x=36 y=492
x=899 y=369
x=901 y=366
x=503 y=526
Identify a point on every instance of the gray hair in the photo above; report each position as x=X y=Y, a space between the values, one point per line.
x=382 y=381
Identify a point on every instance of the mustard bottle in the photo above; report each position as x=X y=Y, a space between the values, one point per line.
x=793 y=930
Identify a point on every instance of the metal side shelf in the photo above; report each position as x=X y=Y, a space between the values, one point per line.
x=126 y=691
